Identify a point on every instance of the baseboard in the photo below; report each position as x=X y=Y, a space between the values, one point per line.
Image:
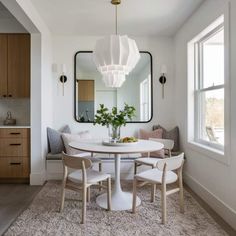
x=38 y=178
x=222 y=209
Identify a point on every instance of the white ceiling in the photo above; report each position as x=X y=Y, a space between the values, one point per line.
x=96 y=17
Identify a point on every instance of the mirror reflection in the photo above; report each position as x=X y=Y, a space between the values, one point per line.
x=90 y=90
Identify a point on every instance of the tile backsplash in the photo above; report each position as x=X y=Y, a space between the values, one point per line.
x=19 y=108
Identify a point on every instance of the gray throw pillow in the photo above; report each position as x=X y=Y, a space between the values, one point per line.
x=171 y=134
x=55 y=141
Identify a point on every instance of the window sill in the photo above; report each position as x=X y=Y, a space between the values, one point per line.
x=209 y=152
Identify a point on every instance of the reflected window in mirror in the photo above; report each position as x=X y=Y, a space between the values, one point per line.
x=90 y=90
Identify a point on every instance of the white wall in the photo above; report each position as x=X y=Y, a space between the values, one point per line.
x=64 y=49
x=212 y=180
x=41 y=82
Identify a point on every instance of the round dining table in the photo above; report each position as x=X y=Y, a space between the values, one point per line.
x=120 y=200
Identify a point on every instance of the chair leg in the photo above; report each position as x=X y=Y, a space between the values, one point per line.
x=62 y=199
x=84 y=204
x=135 y=168
x=134 y=195
x=88 y=194
x=163 y=202
x=109 y=194
x=100 y=170
x=153 y=192
x=181 y=194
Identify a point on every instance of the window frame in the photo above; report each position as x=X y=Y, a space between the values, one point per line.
x=199 y=88
x=147 y=82
x=222 y=156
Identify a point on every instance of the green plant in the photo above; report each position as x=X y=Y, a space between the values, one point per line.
x=114 y=118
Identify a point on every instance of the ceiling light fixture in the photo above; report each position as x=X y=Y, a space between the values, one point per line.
x=115 y=56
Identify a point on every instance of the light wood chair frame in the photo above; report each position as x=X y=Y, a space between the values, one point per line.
x=100 y=170
x=167 y=148
x=81 y=163
x=162 y=186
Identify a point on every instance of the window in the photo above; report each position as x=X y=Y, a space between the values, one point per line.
x=208 y=100
x=209 y=92
x=145 y=101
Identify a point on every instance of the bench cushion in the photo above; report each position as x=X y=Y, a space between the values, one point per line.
x=51 y=156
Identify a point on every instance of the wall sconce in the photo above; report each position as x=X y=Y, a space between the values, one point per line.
x=162 y=79
x=63 y=78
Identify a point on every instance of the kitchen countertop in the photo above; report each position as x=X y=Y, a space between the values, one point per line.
x=14 y=126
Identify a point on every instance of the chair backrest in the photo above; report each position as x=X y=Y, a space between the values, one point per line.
x=76 y=162
x=172 y=163
x=168 y=143
x=211 y=134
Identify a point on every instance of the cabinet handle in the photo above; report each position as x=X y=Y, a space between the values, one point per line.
x=15 y=144
x=4 y=95
x=15 y=163
x=14 y=133
x=10 y=95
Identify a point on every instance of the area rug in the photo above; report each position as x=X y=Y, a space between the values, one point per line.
x=42 y=217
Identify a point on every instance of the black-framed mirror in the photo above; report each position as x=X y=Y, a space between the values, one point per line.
x=90 y=91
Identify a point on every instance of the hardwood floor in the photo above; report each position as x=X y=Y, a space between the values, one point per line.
x=230 y=231
x=14 y=198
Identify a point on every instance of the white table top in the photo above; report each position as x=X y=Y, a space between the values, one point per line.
x=142 y=146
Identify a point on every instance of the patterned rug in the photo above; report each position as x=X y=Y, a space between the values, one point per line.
x=42 y=217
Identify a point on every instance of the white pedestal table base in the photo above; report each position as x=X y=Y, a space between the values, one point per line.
x=119 y=200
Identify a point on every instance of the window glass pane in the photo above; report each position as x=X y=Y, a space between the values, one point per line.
x=213 y=60
x=145 y=101
x=212 y=116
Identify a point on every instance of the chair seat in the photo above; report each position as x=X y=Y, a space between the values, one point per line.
x=88 y=155
x=93 y=176
x=155 y=176
x=148 y=160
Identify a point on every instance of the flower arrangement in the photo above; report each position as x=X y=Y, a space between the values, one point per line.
x=114 y=119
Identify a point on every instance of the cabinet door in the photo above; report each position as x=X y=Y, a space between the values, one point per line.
x=85 y=90
x=14 y=147
x=18 y=65
x=3 y=65
x=14 y=167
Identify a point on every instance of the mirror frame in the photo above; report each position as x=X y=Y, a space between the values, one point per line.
x=151 y=69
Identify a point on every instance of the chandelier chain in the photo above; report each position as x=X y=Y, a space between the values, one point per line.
x=116 y=19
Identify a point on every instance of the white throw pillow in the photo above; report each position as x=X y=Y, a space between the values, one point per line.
x=68 y=138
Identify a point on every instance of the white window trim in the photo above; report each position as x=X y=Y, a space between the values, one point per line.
x=148 y=81
x=203 y=148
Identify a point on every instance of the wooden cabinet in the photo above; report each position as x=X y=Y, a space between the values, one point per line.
x=85 y=90
x=14 y=155
x=15 y=65
x=3 y=65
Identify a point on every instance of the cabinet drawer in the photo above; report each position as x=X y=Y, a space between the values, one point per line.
x=10 y=147
x=14 y=133
x=14 y=167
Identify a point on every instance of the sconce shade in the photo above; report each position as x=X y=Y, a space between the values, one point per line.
x=63 y=68
x=115 y=56
x=163 y=69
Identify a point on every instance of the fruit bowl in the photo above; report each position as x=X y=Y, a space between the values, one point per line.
x=128 y=140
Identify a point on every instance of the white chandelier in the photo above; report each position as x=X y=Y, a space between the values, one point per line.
x=115 y=56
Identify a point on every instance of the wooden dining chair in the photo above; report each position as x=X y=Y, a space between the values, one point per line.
x=81 y=179
x=167 y=171
x=152 y=161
